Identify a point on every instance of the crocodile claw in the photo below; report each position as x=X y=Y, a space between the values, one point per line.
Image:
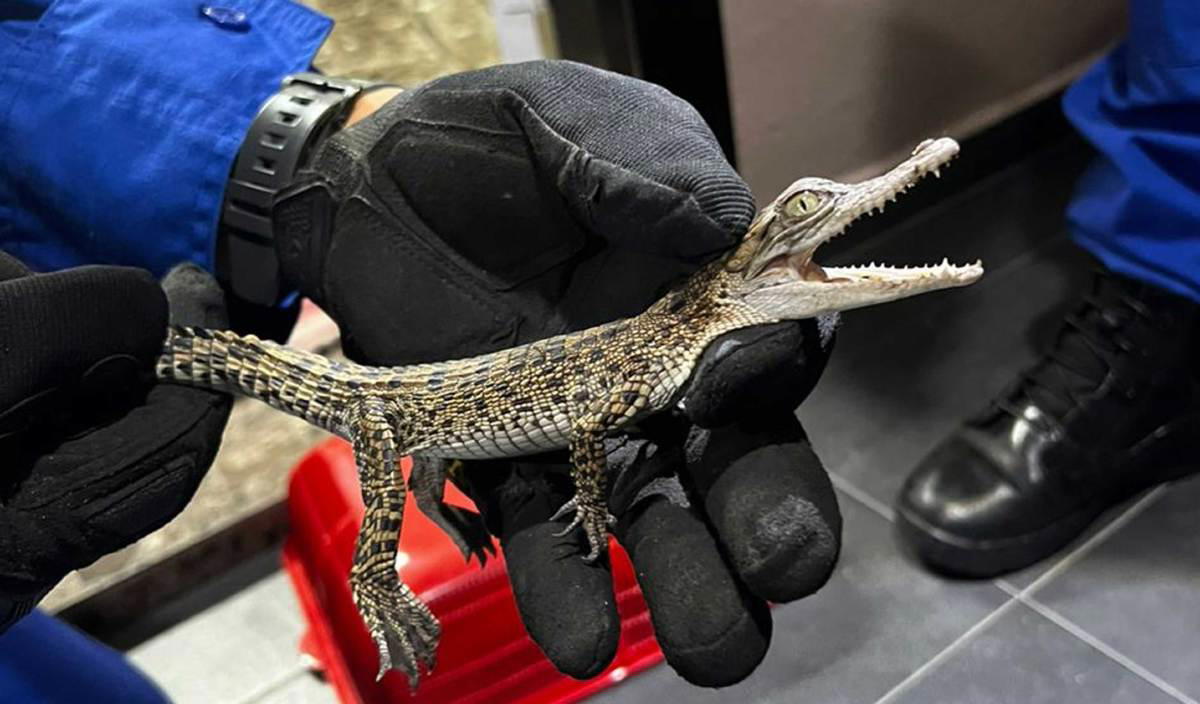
x=405 y=633
x=595 y=523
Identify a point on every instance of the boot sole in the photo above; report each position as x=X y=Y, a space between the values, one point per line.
x=1174 y=449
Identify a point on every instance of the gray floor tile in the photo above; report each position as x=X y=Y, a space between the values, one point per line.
x=906 y=374
x=243 y=646
x=1023 y=579
x=202 y=594
x=1140 y=590
x=878 y=619
x=304 y=688
x=1024 y=658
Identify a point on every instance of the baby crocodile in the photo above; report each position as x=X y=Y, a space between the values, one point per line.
x=568 y=391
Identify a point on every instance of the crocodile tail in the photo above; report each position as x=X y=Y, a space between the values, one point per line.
x=225 y=361
x=195 y=357
x=297 y=382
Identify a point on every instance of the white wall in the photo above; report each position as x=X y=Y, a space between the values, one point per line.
x=840 y=87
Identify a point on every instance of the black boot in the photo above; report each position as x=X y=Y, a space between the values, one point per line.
x=1112 y=409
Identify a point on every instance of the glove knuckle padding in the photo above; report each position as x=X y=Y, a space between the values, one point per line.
x=464 y=162
x=103 y=490
x=383 y=287
x=599 y=131
x=376 y=266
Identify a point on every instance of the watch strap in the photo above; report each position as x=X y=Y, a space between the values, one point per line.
x=307 y=108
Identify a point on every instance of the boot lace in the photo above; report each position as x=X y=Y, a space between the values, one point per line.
x=1091 y=339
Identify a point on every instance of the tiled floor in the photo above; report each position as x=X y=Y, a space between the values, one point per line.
x=240 y=651
x=1114 y=618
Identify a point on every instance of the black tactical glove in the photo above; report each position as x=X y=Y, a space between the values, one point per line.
x=94 y=457
x=495 y=207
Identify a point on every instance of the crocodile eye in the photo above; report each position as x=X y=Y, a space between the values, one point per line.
x=802 y=204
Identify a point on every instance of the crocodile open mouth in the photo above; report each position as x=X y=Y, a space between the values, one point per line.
x=802 y=267
x=798 y=266
x=868 y=198
x=805 y=269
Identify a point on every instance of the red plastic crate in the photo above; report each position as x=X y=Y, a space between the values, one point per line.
x=485 y=654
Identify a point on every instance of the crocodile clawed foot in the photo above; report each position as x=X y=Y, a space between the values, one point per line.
x=467 y=531
x=595 y=521
x=563 y=510
x=405 y=632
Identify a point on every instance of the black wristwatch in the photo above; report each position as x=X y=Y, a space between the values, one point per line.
x=307 y=108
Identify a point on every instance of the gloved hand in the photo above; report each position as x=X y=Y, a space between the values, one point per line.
x=94 y=458
x=496 y=207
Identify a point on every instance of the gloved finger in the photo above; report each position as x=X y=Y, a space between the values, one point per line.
x=194 y=297
x=761 y=370
x=712 y=631
x=95 y=327
x=12 y=268
x=771 y=504
x=566 y=604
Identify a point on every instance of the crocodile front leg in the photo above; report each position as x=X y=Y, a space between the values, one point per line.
x=589 y=463
x=590 y=502
x=404 y=629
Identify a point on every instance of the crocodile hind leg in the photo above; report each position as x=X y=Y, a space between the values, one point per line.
x=465 y=528
x=404 y=629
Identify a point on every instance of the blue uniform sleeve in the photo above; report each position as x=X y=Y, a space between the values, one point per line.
x=120 y=120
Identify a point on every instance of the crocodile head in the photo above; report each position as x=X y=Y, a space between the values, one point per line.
x=773 y=269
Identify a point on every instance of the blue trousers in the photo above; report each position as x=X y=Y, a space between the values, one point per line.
x=44 y=661
x=1137 y=208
